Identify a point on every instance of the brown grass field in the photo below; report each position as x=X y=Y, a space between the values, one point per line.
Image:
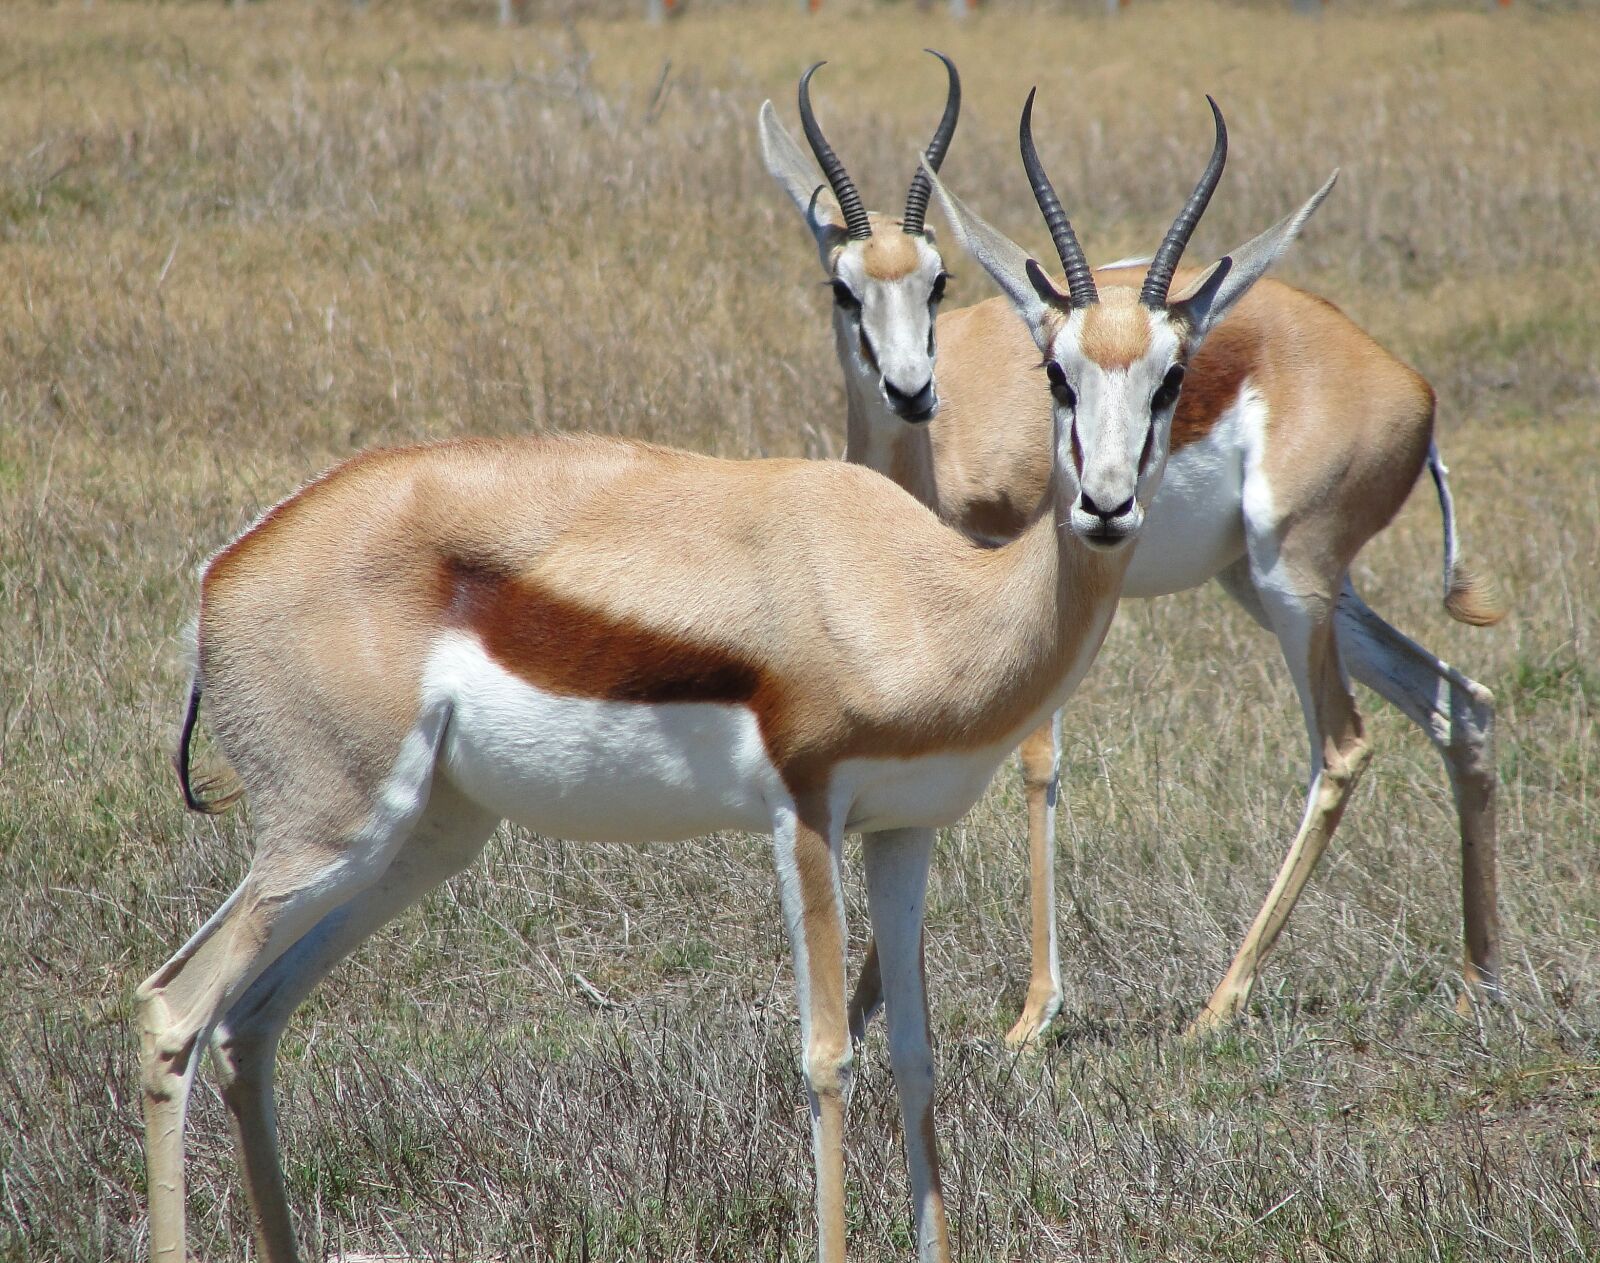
x=238 y=244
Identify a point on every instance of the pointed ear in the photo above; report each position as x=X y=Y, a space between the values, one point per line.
x=1003 y=259
x=1204 y=303
x=802 y=181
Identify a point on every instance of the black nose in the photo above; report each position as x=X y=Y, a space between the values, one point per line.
x=1105 y=515
x=917 y=406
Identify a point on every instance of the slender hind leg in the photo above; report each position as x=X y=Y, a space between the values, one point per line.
x=897 y=881
x=867 y=998
x=277 y=903
x=1304 y=626
x=807 y=857
x=450 y=835
x=167 y=1046
x=1457 y=714
x=305 y=866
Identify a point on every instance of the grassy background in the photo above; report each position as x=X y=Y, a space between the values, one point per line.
x=238 y=244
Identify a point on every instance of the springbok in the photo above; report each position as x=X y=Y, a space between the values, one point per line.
x=1296 y=441
x=611 y=641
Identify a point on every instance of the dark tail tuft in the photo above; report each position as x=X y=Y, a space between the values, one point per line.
x=226 y=790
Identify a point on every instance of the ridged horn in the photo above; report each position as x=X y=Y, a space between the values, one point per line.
x=1080 y=280
x=921 y=186
x=1158 y=280
x=856 y=223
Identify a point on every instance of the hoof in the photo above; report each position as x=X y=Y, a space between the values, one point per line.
x=1034 y=1022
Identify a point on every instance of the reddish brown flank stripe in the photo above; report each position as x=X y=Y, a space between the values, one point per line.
x=571 y=649
x=564 y=648
x=575 y=650
x=1212 y=383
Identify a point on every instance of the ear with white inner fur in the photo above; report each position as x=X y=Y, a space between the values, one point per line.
x=1001 y=257
x=789 y=165
x=1209 y=299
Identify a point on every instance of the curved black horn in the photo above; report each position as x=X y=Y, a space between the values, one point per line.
x=921 y=186
x=855 y=214
x=1080 y=280
x=1158 y=280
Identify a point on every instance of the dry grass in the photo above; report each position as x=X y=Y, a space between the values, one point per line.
x=238 y=244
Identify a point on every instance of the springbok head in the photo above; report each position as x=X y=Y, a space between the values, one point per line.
x=887 y=274
x=1115 y=358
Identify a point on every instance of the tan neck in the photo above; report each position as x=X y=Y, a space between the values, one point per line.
x=877 y=439
x=1055 y=634
x=1006 y=638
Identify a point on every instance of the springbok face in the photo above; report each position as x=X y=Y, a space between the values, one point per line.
x=1114 y=371
x=1114 y=361
x=886 y=274
x=886 y=294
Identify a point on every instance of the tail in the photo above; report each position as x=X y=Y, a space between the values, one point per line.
x=1468 y=597
x=226 y=794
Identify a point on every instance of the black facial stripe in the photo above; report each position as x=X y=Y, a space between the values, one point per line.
x=868 y=354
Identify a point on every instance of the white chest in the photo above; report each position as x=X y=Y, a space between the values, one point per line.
x=933 y=790
x=1194 y=528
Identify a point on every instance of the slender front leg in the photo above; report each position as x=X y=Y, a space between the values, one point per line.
x=1339 y=755
x=1041 y=758
x=897 y=881
x=807 y=849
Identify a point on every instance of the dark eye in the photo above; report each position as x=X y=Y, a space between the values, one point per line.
x=937 y=293
x=1058 y=385
x=1167 y=393
x=843 y=296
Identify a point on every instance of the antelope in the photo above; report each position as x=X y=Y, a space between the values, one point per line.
x=1296 y=440
x=611 y=641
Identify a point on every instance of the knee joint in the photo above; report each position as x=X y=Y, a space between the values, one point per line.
x=1039 y=771
x=241 y=1055
x=1482 y=699
x=1344 y=763
x=1470 y=743
x=912 y=1063
x=166 y=1060
x=829 y=1069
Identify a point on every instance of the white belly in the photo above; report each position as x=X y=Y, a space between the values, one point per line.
x=935 y=790
x=623 y=772
x=595 y=770
x=1194 y=528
